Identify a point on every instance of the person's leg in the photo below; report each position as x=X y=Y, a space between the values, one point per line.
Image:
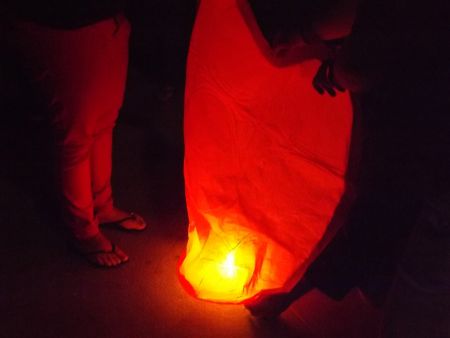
x=105 y=210
x=101 y=170
x=62 y=66
x=112 y=78
x=74 y=182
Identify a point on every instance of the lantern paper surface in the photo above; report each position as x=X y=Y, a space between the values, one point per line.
x=265 y=159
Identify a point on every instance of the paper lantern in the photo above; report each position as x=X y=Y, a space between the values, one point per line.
x=265 y=159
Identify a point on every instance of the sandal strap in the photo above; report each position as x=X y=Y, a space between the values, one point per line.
x=131 y=216
x=98 y=252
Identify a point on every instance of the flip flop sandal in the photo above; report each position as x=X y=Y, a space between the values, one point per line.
x=89 y=256
x=131 y=217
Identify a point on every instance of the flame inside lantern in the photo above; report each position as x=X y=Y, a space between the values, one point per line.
x=228 y=268
x=231 y=266
x=216 y=269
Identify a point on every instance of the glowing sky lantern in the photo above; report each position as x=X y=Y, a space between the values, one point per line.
x=265 y=159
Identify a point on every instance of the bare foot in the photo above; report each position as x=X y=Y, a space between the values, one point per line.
x=99 y=251
x=123 y=220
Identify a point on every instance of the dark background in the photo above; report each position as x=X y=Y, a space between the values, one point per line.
x=47 y=291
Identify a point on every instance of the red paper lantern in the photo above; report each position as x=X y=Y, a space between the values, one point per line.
x=265 y=159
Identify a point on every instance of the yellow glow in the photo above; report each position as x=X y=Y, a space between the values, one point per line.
x=231 y=266
x=228 y=268
x=219 y=269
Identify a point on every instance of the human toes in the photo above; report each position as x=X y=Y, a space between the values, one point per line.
x=121 y=255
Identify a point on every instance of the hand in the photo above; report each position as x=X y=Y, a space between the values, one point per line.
x=324 y=80
x=269 y=305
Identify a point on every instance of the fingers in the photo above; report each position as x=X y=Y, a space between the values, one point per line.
x=332 y=79
x=324 y=86
x=269 y=306
x=318 y=87
x=320 y=78
x=324 y=80
x=328 y=87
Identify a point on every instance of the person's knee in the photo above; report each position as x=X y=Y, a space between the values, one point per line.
x=73 y=146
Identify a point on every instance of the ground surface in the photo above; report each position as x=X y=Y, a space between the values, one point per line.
x=47 y=291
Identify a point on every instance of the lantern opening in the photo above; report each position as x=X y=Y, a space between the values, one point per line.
x=223 y=270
